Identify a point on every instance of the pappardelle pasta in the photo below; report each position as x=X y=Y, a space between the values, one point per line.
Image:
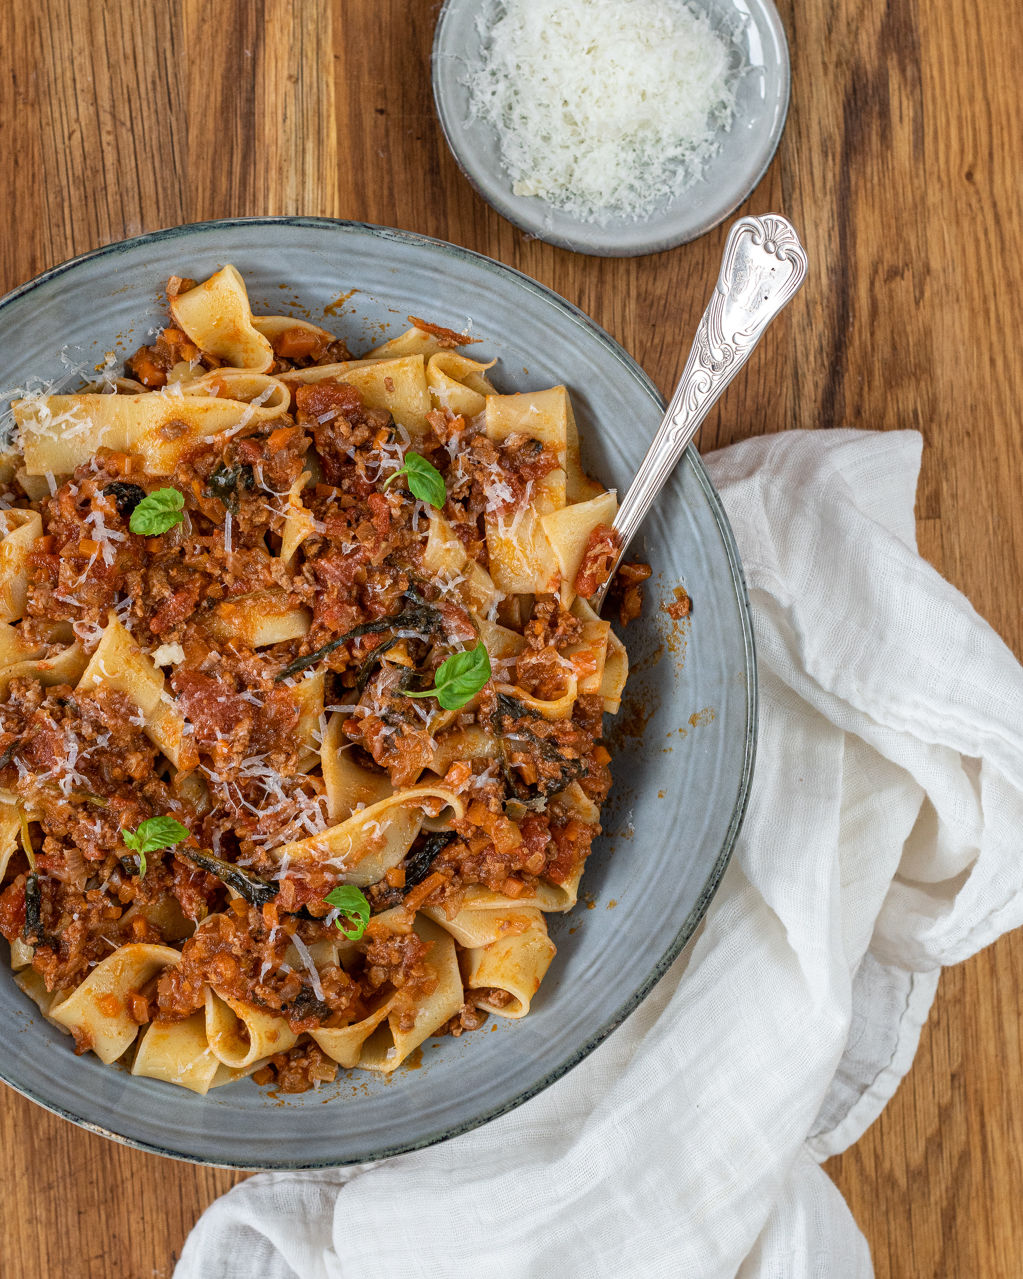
x=301 y=695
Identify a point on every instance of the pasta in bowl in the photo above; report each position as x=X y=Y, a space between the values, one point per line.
x=682 y=742
x=301 y=695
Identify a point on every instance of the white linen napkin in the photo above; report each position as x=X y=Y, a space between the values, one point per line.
x=883 y=840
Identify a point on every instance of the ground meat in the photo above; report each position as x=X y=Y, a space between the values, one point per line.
x=495 y=478
x=572 y=842
x=150 y=365
x=80 y=757
x=468 y=1017
x=551 y=625
x=341 y=425
x=488 y=995
x=241 y=954
x=598 y=559
x=300 y=347
x=398 y=960
x=627 y=590
x=403 y=749
x=80 y=568
x=367 y=624
x=78 y=927
x=303 y=1067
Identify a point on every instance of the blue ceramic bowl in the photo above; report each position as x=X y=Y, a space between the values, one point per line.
x=683 y=743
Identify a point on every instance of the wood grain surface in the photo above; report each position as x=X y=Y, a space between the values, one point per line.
x=900 y=164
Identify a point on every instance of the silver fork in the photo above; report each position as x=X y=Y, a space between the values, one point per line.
x=763 y=266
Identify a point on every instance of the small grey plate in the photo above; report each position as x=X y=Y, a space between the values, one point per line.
x=762 y=99
x=683 y=743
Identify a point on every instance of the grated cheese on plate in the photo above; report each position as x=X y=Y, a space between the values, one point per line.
x=604 y=108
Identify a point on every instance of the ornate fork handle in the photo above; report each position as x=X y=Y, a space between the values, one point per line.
x=763 y=266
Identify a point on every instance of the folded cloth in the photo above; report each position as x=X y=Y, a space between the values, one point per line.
x=883 y=840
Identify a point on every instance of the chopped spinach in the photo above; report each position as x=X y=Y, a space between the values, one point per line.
x=419 y=861
x=127 y=496
x=416 y=616
x=225 y=482
x=369 y=665
x=33 y=932
x=256 y=891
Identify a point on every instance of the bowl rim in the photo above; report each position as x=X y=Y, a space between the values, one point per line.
x=594 y=240
x=691 y=458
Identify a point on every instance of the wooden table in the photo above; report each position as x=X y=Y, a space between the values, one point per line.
x=901 y=165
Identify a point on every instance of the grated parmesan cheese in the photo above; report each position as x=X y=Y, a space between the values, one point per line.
x=604 y=108
x=307 y=959
x=168 y=655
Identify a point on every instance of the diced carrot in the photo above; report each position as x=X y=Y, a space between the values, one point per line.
x=458 y=775
x=502 y=830
x=147 y=370
x=88 y=547
x=513 y=887
x=297 y=343
x=45 y=544
x=279 y=438
x=396 y=876
x=422 y=891
x=109 y=1005
x=138 y=1007
x=601 y=755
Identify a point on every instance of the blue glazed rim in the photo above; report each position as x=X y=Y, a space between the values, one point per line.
x=691 y=459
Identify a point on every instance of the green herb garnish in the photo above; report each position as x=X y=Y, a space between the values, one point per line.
x=418 y=616
x=157 y=513
x=152 y=835
x=459 y=678
x=424 y=480
x=354 y=908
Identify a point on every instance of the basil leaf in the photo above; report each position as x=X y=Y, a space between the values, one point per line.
x=423 y=478
x=354 y=907
x=157 y=513
x=152 y=835
x=459 y=678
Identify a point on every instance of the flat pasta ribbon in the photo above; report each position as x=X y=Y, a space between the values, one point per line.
x=384 y=1040
x=217 y=317
x=96 y=1011
x=397 y=385
x=373 y=840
